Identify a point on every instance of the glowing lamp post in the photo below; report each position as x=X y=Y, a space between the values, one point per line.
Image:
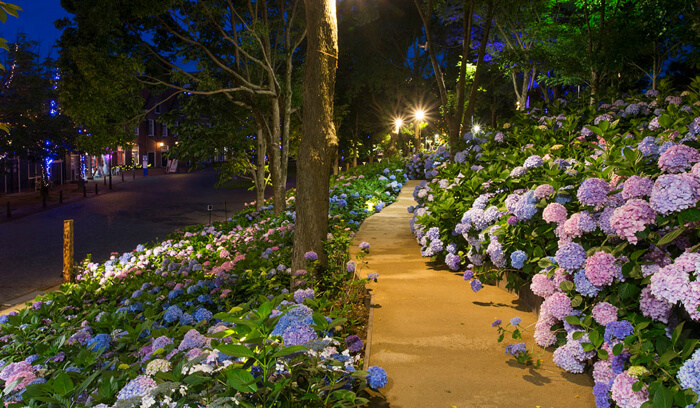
x=419 y=115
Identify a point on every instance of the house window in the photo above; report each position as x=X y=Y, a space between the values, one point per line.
x=136 y=130
x=157 y=109
x=151 y=127
x=165 y=130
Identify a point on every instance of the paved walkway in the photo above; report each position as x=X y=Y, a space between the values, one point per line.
x=433 y=335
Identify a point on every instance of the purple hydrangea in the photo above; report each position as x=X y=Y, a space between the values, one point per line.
x=670 y=283
x=525 y=208
x=570 y=357
x=571 y=256
x=476 y=285
x=674 y=192
x=517 y=259
x=364 y=246
x=533 y=162
x=350 y=267
x=297 y=334
x=301 y=294
x=353 y=343
x=593 y=192
x=140 y=386
x=452 y=261
x=602 y=372
x=192 y=339
x=311 y=256
x=678 y=158
x=544 y=190
x=601 y=393
x=689 y=373
x=516 y=349
x=653 y=307
x=691 y=301
x=637 y=187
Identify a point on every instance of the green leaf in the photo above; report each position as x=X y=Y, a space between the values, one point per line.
x=668 y=238
x=573 y=320
x=666 y=122
x=576 y=301
x=235 y=350
x=587 y=346
x=241 y=380
x=578 y=334
x=636 y=387
x=63 y=384
x=667 y=357
x=602 y=354
x=617 y=349
x=627 y=290
x=663 y=398
x=630 y=154
x=689 y=215
x=567 y=286
x=289 y=350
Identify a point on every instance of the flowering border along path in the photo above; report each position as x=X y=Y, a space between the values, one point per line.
x=433 y=335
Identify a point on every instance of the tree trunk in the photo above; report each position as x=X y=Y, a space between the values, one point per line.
x=595 y=85
x=318 y=132
x=479 y=65
x=260 y=171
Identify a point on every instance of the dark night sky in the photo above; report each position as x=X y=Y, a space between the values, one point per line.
x=36 y=19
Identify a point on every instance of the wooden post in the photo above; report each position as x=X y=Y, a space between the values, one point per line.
x=68 y=251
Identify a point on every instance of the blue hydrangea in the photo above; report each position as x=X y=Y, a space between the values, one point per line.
x=584 y=286
x=174 y=313
x=571 y=256
x=601 y=392
x=99 y=343
x=533 y=161
x=452 y=260
x=517 y=259
x=516 y=349
x=617 y=331
x=175 y=293
x=204 y=298
x=186 y=319
x=298 y=333
x=451 y=248
x=525 y=207
x=377 y=377
x=296 y=314
x=4 y=319
x=202 y=314
x=618 y=362
x=689 y=373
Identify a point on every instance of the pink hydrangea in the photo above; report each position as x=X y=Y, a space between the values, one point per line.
x=544 y=190
x=653 y=307
x=558 y=305
x=637 y=187
x=604 y=313
x=601 y=268
x=561 y=275
x=674 y=192
x=542 y=286
x=632 y=217
x=602 y=372
x=691 y=301
x=543 y=335
x=554 y=212
x=593 y=192
x=670 y=283
x=623 y=394
x=689 y=262
x=678 y=158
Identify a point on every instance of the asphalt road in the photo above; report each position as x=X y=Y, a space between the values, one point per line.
x=141 y=211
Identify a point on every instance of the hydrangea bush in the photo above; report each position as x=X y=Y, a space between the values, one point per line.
x=204 y=318
x=596 y=210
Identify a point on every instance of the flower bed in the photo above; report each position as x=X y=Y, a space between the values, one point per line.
x=205 y=318
x=595 y=209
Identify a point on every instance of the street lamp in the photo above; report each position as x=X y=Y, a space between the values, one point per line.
x=418 y=115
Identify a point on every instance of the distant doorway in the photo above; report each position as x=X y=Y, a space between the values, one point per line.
x=152 y=158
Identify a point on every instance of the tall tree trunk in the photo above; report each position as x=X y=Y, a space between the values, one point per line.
x=260 y=170
x=318 y=132
x=595 y=85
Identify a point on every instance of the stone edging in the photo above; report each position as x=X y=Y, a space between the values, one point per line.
x=525 y=295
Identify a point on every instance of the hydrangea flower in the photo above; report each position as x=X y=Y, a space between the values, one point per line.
x=543 y=190
x=632 y=217
x=617 y=330
x=525 y=207
x=637 y=187
x=202 y=314
x=353 y=343
x=570 y=357
x=571 y=256
x=99 y=343
x=593 y=192
x=673 y=192
x=601 y=393
x=624 y=396
x=301 y=294
x=518 y=171
x=542 y=286
x=515 y=349
x=670 y=283
x=533 y=162
x=192 y=339
x=158 y=366
x=678 y=158
x=297 y=334
x=311 y=256
x=476 y=285
x=691 y=300
x=377 y=377
x=364 y=246
x=172 y=314
x=452 y=261
x=140 y=386
x=558 y=306
x=601 y=268
x=518 y=258
x=604 y=313
x=554 y=212
x=689 y=373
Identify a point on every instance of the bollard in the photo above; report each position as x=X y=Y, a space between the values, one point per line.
x=60 y=197
x=68 y=259
x=9 y=211
x=95 y=188
x=84 y=191
x=122 y=176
